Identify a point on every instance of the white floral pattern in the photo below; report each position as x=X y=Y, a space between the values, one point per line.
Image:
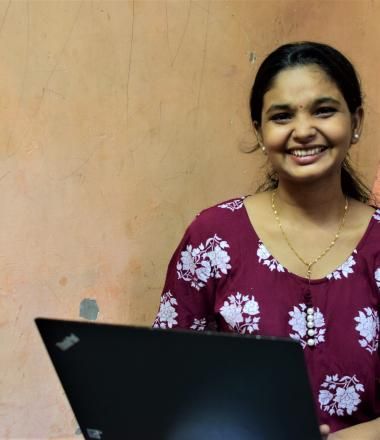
x=376 y=215
x=368 y=327
x=166 y=317
x=266 y=258
x=377 y=277
x=345 y=269
x=241 y=312
x=199 y=324
x=340 y=395
x=233 y=205
x=199 y=264
x=298 y=325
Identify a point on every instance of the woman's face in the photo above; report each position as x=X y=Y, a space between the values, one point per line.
x=306 y=126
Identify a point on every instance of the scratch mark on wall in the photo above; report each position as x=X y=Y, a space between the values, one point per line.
x=120 y=167
x=54 y=92
x=23 y=80
x=61 y=52
x=183 y=33
x=130 y=61
x=167 y=28
x=204 y=52
x=5 y=16
x=160 y=124
x=242 y=28
x=88 y=309
x=81 y=165
x=4 y=175
x=252 y=57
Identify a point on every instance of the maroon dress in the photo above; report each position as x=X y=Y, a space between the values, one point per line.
x=223 y=277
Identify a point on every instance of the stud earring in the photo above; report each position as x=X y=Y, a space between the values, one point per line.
x=263 y=149
x=356 y=136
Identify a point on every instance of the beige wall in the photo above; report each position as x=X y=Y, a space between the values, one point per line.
x=118 y=122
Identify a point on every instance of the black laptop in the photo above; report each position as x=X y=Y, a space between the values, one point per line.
x=134 y=383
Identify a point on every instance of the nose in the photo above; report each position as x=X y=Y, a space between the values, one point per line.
x=304 y=130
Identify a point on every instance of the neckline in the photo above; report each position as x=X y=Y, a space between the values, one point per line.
x=299 y=277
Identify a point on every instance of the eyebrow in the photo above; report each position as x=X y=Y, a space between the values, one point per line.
x=319 y=101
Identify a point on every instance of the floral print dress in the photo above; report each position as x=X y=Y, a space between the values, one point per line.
x=222 y=277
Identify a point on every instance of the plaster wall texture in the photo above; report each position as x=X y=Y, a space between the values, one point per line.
x=119 y=121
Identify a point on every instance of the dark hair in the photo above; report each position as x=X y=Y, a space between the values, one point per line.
x=339 y=69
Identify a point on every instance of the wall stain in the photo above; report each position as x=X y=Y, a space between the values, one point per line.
x=89 y=309
x=252 y=57
x=63 y=281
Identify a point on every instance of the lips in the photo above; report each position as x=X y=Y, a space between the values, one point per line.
x=309 y=151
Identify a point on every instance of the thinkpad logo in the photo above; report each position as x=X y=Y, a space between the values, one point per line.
x=94 y=433
x=67 y=343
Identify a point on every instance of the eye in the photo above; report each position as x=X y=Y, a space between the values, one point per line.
x=325 y=112
x=281 y=117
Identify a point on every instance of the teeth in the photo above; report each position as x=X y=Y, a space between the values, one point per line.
x=308 y=152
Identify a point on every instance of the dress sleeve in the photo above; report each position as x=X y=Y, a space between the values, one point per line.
x=187 y=300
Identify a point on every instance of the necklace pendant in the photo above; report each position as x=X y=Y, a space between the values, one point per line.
x=309 y=316
x=307 y=297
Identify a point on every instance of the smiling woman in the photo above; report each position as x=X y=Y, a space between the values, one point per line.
x=301 y=257
x=337 y=100
x=314 y=129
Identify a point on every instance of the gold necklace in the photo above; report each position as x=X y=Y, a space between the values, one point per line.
x=311 y=263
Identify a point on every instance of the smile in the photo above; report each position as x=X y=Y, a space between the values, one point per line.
x=302 y=152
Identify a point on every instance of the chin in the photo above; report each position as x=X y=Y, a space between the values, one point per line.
x=311 y=176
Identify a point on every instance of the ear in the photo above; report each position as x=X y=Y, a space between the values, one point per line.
x=357 y=124
x=257 y=131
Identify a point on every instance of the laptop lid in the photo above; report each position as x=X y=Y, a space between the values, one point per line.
x=137 y=383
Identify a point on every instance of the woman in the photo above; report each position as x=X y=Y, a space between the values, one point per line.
x=300 y=258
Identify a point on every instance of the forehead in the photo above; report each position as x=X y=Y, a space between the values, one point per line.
x=301 y=85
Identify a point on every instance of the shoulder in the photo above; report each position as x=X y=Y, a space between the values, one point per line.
x=369 y=245
x=374 y=229
x=259 y=206
x=228 y=206
x=225 y=221
x=361 y=216
x=370 y=216
x=220 y=214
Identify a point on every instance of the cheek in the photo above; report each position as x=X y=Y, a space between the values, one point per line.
x=276 y=137
x=337 y=135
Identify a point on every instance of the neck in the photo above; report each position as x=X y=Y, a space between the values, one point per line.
x=322 y=202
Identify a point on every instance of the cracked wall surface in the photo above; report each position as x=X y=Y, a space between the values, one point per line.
x=119 y=121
